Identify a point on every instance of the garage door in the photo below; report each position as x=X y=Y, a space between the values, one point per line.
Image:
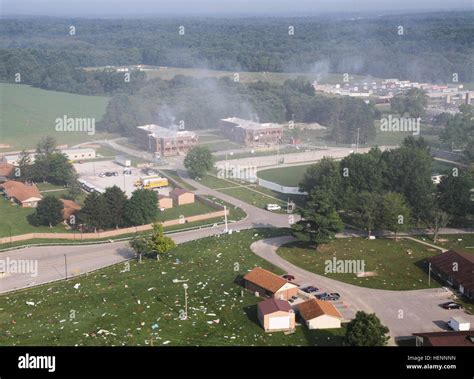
x=279 y=322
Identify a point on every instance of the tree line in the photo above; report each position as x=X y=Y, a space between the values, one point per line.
x=201 y=103
x=428 y=47
x=390 y=190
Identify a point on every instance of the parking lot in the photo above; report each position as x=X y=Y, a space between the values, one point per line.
x=90 y=171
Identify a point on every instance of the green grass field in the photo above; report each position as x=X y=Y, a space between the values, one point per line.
x=27 y=114
x=286 y=176
x=186 y=210
x=13 y=220
x=464 y=242
x=167 y=73
x=395 y=268
x=116 y=306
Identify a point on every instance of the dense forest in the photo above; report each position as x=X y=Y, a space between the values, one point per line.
x=47 y=52
x=200 y=103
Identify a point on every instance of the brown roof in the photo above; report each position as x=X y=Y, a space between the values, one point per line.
x=20 y=191
x=266 y=279
x=465 y=264
x=273 y=305
x=178 y=192
x=314 y=308
x=70 y=207
x=465 y=338
x=161 y=196
x=6 y=169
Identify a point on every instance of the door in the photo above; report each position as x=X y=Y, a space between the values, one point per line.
x=279 y=322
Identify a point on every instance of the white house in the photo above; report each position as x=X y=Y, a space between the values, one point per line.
x=319 y=314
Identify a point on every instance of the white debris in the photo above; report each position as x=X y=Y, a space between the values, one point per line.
x=76 y=286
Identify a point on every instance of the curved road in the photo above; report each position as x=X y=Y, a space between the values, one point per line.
x=404 y=312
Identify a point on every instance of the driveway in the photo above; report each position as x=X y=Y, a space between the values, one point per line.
x=404 y=312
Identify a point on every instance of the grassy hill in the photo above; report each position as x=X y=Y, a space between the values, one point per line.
x=27 y=114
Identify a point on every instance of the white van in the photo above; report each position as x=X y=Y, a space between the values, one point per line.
x=273 y=207
x=459 y=324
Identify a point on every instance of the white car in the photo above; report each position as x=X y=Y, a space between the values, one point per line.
x=273 y=207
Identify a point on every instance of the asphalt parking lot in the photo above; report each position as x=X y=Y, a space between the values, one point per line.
x=90 y=171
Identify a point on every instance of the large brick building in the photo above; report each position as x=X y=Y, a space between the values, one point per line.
x=166 y=142
x=250 y=133
x=455 y=268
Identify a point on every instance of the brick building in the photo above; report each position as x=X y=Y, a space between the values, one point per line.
x=166 y=142
x=250 y=133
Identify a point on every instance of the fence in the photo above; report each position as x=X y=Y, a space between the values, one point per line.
x=279 y=188
x=110 y=233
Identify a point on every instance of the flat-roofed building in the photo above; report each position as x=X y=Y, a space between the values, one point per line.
x=250 y=133
x=78 y=154
x=166 y=141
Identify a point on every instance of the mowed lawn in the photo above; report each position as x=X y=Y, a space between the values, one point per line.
x=13 y=220
x=463 y=242
x=286 y=176
x=27 y=114
x=395 y=267
x=123 y=305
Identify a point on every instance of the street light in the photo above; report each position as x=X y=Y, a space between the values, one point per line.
x=185 y=286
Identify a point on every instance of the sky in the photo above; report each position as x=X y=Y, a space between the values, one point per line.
x=131 y=8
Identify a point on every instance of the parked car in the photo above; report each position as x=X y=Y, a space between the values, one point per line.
x=451 y=305
x=288 y=277
x=310 y=289
x=102 y=174
x=322 y=296
x=127 y=172
x=334 y=296
x=115 y=173
x=273 y=207
x=108 y=174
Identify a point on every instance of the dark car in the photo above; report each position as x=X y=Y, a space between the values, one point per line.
x=115 y=173
x=310 y=289
x=322 y=296
x=451 y=305
x=109 y=174
x=334 y=296
x=288 y=277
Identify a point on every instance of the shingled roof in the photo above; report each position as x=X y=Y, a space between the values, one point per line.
x=314 y=308
x=465 y=338
x=266 y=279
x=444 y=262
x=273 y=305
x=21 y=191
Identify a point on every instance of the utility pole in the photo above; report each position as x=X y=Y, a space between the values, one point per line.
x=225 y=220
x=185 y=286
x=65 y=264
x=429 y=274
x=357 y=143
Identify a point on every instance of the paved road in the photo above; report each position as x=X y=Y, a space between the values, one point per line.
x=404 y=312
x=87 y=258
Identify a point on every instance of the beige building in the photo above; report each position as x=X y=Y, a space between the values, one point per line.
x=181 y=196
x=166 y=141
x=250 y=133
x=319 y=314
x=275 y=315
x=268 y=284
x=25 y=195
x=165 y=202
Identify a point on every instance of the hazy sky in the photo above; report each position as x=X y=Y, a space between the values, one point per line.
x=124 y=8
